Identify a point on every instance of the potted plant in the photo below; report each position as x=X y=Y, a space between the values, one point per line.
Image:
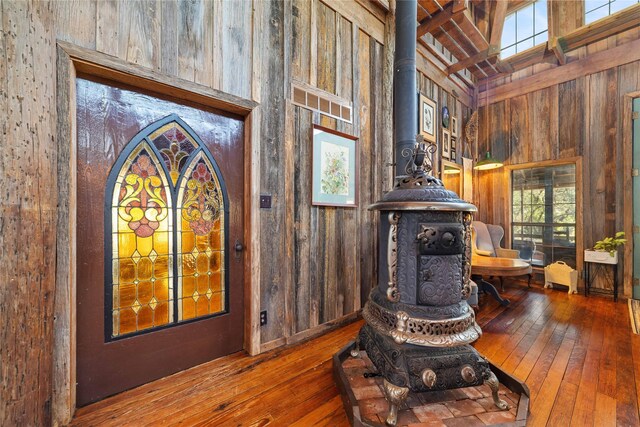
x=605 y=251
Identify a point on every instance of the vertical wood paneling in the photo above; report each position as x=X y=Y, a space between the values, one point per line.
x=194 y=49
x=300 y=35
x=580 y=117
x=169 y=38
x=272 y=170
x=28 y=212
x=139 y=35
x=236 y=45
x=76 y=22
x=107 y=13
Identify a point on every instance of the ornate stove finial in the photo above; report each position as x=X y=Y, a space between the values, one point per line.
x=422 y=154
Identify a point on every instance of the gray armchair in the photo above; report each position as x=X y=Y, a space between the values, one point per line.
x=486 y=241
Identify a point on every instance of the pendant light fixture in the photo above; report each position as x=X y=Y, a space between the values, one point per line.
x=488 y=163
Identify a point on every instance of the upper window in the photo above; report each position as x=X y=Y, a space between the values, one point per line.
x=598 y=9
x=165 y=215
x=524 y=29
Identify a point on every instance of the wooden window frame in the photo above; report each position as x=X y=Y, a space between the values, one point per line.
x=71 y=61
x=577 y=161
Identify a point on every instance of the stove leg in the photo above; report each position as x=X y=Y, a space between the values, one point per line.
x=395 y=396
x=355 y=351
x=494 y=385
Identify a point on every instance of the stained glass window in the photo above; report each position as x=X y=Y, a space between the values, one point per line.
x=166 y=212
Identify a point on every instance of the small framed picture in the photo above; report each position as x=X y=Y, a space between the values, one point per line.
x=446 y=144
x=335 y=168
x=427 y=118
x=454 y=126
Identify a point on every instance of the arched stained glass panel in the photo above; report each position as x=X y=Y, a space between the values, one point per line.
x=142 y=244
x=165 y=211
x=200 y=237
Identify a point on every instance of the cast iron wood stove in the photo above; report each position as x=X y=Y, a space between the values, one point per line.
x=419 y=324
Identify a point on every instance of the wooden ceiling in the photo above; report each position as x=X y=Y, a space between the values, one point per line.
x=471 y=30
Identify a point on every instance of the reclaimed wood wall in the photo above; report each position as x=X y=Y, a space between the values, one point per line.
x=317 y=264
x=580 y=117
x=27 y=211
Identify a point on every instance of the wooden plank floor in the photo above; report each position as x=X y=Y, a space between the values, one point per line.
x=577 y=355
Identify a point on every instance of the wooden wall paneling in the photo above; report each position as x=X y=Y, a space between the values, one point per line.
x=326 y=47
x=612 y=142
x=301 y=30
x=194 y=28
x=570 y=118
x=78 y=17
x=303 y=281
x=272 y=171
x=107 y=24
x=499 y=146
x=521 y=131
x=629 y=87
x=544 y=137
x=363 y=91
x=236 y=46
x=288 y=261
x=348 y=241
x=168 y=38
x=597 y=154
x=64 y=308
x=139 y=35
x=379 y=168
x=28 y=211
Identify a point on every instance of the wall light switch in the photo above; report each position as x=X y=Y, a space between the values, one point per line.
x=265 y=201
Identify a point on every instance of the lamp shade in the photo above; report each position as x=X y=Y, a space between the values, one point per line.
x=488 y=163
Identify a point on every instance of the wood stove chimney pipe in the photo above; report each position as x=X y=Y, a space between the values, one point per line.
x=404 y=84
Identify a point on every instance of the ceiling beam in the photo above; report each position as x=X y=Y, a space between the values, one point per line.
x=483 y=55
x=428 y=25
x=497 y=23
x=601 y=29
x=556 y=47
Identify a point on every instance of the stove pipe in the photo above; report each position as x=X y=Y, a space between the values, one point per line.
x=404 y=84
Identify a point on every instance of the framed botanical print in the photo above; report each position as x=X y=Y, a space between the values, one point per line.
x=427 y=118
x=335 y=168
x=446 y=144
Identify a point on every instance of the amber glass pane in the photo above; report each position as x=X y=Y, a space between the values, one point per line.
x=141 y=224
x=200 y=241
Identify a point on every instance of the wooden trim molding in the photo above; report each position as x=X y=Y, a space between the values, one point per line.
x=579 y=204
x=71 y=60
x=627 y=150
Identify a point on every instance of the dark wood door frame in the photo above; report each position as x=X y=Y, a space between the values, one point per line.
x=72 y=59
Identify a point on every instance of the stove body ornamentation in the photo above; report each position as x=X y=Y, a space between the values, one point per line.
x=419 y=324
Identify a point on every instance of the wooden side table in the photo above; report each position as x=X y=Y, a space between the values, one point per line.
x=593 y=269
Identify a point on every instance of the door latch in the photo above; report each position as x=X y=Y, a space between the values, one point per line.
x=238 y=247
x=635 y=172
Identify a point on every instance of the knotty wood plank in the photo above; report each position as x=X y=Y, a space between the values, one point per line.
x=236 y=47
x=139 y=35
x=271 y=159
x=107 y=14
x=563 y=404
x=300 y=34
x=194 y=42
x=302 y=218
x=28 y=211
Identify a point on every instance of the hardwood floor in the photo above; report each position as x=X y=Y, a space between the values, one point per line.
x=578 y=356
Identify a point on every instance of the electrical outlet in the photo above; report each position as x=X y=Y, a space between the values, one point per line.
x=263 y=318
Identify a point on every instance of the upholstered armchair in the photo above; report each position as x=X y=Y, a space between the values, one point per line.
x=487 y=239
